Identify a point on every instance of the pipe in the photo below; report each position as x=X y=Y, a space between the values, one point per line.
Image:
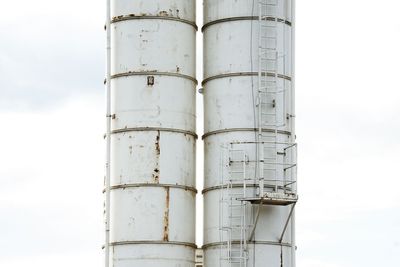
x=253 y=230
x=108 y=137
x=260 y=149
x=293 y=35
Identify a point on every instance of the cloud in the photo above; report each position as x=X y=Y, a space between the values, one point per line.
x=367 y=238
x=52 y=182
x=50 y=54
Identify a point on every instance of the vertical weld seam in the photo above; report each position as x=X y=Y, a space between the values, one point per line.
x=112 y=259
x=166 y=215
x=156 y=172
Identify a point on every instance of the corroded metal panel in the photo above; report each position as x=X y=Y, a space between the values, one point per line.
x=153 y=157
x=215 y=10
x=168 y=103
x=156 y=214
x=172 y=8
x=150 y=45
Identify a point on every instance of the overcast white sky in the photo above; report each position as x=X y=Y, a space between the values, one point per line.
x=52 y=117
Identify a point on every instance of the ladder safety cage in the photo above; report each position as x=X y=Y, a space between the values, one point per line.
x=271 y=91
x=233 y=216
x=240 y=189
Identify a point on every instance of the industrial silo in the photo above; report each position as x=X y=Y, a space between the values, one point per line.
x=150 y=182
x=250 y=187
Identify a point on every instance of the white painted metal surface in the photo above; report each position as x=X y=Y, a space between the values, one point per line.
x=227 y=37
x=232 y=122
x=152 y=154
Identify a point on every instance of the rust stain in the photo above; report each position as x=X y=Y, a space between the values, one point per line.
x=156 y=172
x=117 y=17
x=158 y=150
x=166 y=216
x=156 y=176
x=163 y=13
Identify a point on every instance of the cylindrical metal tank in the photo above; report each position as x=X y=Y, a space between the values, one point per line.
x=153 y=134
x=230 y=86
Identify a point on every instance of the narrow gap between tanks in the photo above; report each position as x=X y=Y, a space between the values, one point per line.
x=200 y=127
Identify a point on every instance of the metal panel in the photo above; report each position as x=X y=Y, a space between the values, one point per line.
x=156 y=214
x=172 y=8
x=212 y=146
x=152 y=134
x=270 y=223
x=223 y=40
x=229 y=103
x=150 y=255
x=259 y=255
x=168 y=103
x=149 y=45
x=215 y=10
x=145 y=157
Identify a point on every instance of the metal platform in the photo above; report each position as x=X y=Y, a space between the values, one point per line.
x=276 y=199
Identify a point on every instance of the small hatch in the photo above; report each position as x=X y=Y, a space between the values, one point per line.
x=150 y=80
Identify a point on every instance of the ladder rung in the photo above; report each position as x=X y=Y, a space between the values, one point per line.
x=236 y=194
x=237 y=226
x=269 y=37
x=268 y=4
x=270 y=90
x=236 y=205
x=268 y=18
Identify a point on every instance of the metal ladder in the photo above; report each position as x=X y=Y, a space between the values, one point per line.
x=271 y=94
x=234 y=225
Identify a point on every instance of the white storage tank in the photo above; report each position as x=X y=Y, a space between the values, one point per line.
x=153 y=135
x=238 y=125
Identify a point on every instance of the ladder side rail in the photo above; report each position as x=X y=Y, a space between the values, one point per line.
x=223 y=250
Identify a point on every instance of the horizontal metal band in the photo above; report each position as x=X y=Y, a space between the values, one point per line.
x=243 y=130
x=183 y=187
x=134 y=17
x=154 y=129
x=272 y=243
x=220 y=187
x=238 y=74
x=149 y=242
x=154 y=73
x=208 y=24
